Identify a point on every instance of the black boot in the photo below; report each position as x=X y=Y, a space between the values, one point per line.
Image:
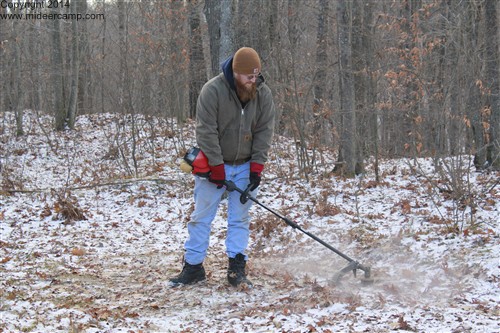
x=236 y=274
x=190 y=274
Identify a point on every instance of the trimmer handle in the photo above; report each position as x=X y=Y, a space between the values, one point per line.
x=244 y=194
x=231 y=186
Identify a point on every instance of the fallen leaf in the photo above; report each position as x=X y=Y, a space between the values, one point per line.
x=77 y=251
x=6 y=259
x=11 y=296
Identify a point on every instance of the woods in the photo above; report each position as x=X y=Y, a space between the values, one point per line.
x=367 y=79
x=386 y=146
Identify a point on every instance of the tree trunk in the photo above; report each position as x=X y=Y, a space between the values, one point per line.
x=4 y=28
x=412 y=100
x=103 y=57
x=212 y=11
x=85 y=97
x=373 y=117
x=145 y=100
x=75 y=60
x=319 y=107
x=361 y=54
x=347 y=151
x=57 y=75
x=123 y=90
x=226 y=36
x=196 y=59
x=473 y=76
x=35 y=68
x=16 y=93
x=321 y=56
x=242 y=33
x=492 y=72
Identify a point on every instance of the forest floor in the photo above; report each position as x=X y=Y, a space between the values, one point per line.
x=91 y=230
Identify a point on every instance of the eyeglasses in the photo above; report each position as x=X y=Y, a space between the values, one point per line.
x=249 y=77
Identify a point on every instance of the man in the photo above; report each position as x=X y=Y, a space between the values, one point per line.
x=234 y=128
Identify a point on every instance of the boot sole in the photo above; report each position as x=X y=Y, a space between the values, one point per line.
x=243 y=282
x=173 y=284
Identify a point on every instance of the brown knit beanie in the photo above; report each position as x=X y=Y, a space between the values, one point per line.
x=246 y=61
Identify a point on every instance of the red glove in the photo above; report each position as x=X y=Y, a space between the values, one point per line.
x=217 y=175
x=255 y=178
x=256 y=168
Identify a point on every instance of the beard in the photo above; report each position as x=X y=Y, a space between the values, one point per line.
x=246 y=92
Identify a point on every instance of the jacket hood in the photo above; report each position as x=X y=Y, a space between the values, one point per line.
x=227 y=69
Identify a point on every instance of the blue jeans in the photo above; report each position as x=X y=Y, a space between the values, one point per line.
x=206 y=201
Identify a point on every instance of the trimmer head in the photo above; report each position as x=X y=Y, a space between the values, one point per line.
x=367 y=278
x=353 y=266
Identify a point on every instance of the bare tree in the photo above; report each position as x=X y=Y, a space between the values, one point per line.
x=321 y=57
x=212 y=11
x=473 y=82
x=196 y=59
x=347 y=150
x=75 y=62
x=124 y=98
x=4 y=54
x=103 y=57
x=226 y=30
x=57 y=76
x=15 y=79
x=369 y=131
x=492 y=73
x=85 y=95
x=35 y=67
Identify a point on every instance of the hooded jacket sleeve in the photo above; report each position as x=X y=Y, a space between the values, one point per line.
x=207 y=136
x=264 y=128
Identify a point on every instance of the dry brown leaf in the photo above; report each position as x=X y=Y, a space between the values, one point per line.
x=406 y=207
x=78 y=251
x=46 y=212
x=4 y=260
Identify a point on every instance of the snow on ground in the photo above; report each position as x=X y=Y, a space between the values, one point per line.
x=92 y=229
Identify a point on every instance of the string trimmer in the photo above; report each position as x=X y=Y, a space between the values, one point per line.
x=353 y=264
x=196 y=162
